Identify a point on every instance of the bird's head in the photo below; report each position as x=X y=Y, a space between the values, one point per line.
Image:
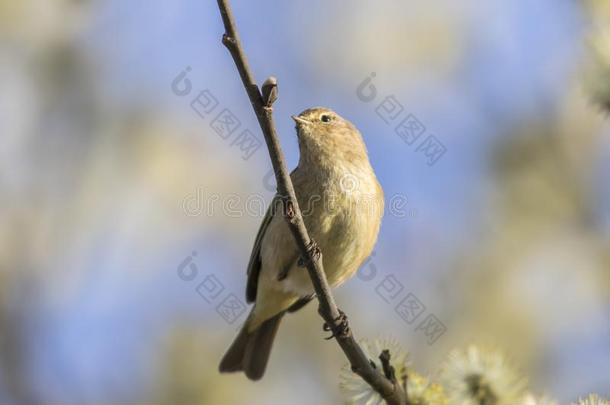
x=325 y=134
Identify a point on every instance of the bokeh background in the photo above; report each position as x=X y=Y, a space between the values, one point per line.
x=109 y=181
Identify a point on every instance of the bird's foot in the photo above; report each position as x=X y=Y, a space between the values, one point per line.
x=313 y=251
x=340 y=327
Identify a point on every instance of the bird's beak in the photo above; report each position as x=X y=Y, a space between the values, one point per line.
x=299 y=120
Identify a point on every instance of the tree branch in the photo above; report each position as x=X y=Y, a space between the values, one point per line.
x=391 y=391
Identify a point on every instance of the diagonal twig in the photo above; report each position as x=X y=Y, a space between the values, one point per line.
x=391 y=391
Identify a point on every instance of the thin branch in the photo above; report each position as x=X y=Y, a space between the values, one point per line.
x=336 y=321
x=388 y=370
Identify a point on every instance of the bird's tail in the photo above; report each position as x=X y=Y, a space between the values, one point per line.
x=250 y=350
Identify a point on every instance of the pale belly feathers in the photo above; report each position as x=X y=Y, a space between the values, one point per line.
x=342 y=212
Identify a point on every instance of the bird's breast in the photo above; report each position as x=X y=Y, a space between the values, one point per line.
x=342 y=211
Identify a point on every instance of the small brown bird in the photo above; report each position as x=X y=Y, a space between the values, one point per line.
x=342 y=206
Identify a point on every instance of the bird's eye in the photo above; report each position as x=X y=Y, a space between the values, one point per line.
x=325 y=118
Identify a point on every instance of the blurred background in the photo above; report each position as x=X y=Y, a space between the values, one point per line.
x=128 y=209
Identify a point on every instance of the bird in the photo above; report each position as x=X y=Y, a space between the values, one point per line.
x=342 y=206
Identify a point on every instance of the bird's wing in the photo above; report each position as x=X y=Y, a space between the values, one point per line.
x=254 y=265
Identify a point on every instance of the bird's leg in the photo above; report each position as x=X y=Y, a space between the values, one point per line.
x=340 y=327
x=313 y=251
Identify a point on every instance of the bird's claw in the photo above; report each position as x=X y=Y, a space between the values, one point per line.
x=313 y=251
x=341 y=327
